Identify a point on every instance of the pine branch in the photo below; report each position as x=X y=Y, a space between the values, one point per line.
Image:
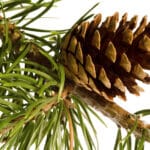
x=120 y=116
x=34 y=101
x=113 y=111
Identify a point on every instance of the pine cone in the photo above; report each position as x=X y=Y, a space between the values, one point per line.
x=107 y=58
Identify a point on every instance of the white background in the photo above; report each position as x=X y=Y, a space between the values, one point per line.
x=67 y=13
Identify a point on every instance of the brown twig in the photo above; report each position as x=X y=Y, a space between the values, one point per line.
x=116 y=113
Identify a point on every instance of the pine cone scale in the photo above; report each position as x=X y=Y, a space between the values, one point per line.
x=125 y=63
x=144 y=44
x=84 y=27
x=96 y=40
x=104 y=78
x=111 y=52
x=79 y=53
x=72 y=44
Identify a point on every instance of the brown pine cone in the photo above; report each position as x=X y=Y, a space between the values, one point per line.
x=107 y=58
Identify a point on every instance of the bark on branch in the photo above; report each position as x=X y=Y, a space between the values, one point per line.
x=116 y=113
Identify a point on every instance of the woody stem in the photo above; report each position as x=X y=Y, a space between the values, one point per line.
x=116 y=113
